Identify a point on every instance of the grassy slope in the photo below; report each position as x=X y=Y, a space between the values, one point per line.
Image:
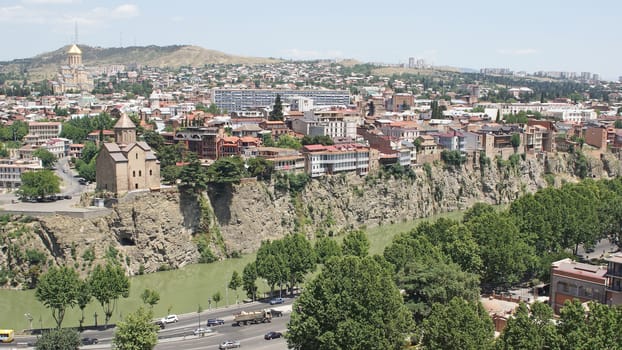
x=182 y=290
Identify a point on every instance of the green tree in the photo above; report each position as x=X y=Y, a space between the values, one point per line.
x=271 y=263
x=249 y=278
x=229 y=170
x=618 y=123
x=150 y=297
x=235 y=283
x=58 y=339
x=459 y=325
x=136 y=331
x=355 y=243
x=47 y=158
x=192 y=175
x=58 y=289
x=89 y=151
x=352 y=304
x=529 y=330
x=108 y=284
x=260 y=167
x=216 y=297
x=299 y=257
x=515 y=140
x=287 y=141
x=86 y=170
x=84 y=298
x=426 y=284
x=326 y=248
x=38 y=184
x=277 y=109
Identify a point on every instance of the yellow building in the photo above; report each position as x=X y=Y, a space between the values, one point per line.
x=74 y=76
x=126 y=165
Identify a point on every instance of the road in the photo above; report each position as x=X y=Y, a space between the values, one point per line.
x=180 y=335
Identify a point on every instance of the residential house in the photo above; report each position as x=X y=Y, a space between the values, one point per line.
x=11 y=171
x=614 y=279
x=574 y=280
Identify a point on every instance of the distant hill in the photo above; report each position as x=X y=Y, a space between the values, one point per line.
x=46 y=65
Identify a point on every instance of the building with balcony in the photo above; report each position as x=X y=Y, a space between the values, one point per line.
x=614 y=279
x=328 y=160
x=11 y=171
x=45 y=130
x=201 y=140
x=240 y=99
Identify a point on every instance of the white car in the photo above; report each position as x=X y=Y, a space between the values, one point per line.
x=201 y=331
x=229 y=344
x=170 y=319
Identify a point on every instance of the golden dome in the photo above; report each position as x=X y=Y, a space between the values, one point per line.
x=74 y=50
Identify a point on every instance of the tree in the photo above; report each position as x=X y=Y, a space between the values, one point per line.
x=47 y=158
x=150 y=297
x=235 y=282
x=352 y=304
x=38 y=184
x=216 y=297
x=326 y=248
x=515 y=140
x=355 y=243
x=229 y=170
x=136 y=331
x=192 y=175
x=260 y=167
x=249 y=277
x=299 y=257
x=277 y=109
x=270 y=263
x=529 y=330
x=618 y=123
x=89 y=151
x=58 y=339
x=459 y=325
x=109 y=284
x=84 y=298
x=426 y=284
x=58 y=289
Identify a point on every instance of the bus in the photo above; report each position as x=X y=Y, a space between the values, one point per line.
x=6 y=335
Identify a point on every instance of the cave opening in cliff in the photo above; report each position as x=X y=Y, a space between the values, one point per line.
x=127 y=241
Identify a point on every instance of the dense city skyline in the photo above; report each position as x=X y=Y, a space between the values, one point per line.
x=534 y=36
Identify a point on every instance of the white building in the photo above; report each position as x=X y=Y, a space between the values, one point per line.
x=11 y=171
x=327 y=160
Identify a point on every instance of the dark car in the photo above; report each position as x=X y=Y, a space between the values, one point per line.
x=215 y=322
x=272 y=335
x=89 y=341
x=160 y=324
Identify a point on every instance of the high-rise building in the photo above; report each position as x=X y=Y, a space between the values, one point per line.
x=238 y=99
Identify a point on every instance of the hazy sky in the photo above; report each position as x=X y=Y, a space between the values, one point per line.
x=564 y=35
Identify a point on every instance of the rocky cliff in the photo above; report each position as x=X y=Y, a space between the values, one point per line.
x=163 y=230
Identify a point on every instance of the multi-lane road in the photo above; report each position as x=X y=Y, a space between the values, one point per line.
x=180 y=335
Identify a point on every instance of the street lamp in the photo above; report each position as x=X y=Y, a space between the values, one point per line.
x=29 y=318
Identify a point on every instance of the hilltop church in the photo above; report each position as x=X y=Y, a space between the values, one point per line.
x=126 y=165
x=74 y=76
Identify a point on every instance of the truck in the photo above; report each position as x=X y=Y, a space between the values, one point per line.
x=252 y=317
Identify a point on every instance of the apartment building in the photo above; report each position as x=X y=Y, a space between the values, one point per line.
x=283 y=159
x=201 y=140
x=239 y=99
x=45 y=130
x=11 y=171
x=614 y=279
x=573 y=280
x=328 y=160
x=331 y=123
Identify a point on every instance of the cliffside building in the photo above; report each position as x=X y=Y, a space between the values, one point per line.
x=126 y=165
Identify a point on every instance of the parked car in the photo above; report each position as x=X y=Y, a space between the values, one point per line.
x=201 y=331
x=170 y=319
x=67 y=196
x=272 y=335
x=215 y=322
x=229 y=344
x=277 y=301
x=89 y=341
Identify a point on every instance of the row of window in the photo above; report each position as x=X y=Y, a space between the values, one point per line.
x=140 y=173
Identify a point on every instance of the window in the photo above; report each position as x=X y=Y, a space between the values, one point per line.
x=150 y=172
x=140 y=173
x=136 y=155
x=136 y=186
x=134 y=173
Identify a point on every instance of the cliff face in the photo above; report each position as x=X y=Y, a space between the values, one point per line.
x=158 y=230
